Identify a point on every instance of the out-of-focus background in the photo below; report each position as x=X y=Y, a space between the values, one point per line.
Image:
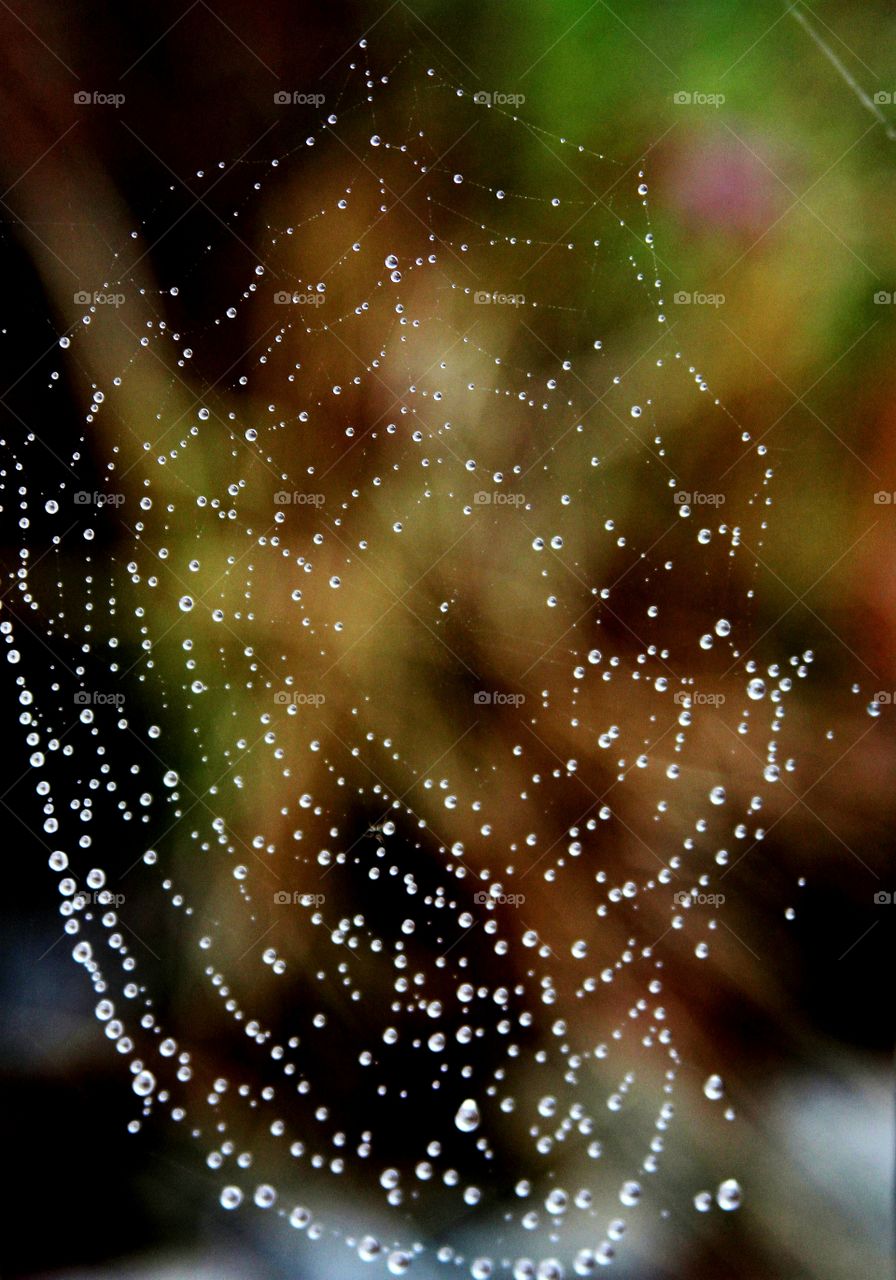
x=772 y=185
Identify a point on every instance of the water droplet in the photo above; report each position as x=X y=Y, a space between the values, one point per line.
x=467 y=1118
x=714 y=1087
x=729 y=1194
x=231 y=1197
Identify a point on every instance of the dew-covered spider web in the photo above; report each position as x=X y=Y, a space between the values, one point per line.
x=385 y=642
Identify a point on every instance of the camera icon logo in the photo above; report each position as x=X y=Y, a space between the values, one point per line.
x=82 y=498
x=682 y=298
x=883 y=698
x=282 y=98
x=282 y=498
x=883 y=298
x=482 y=498
x=282 y=297
x=482 y=698
x=682 y=98
x=83 y=298
x=482 y=99
x=82 y=698
x=882 y=98
x=281 y=897
x=681 y=498
x=882 y=898
x=81 y=98
x=883 y=499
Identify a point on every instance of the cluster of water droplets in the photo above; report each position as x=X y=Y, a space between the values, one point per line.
x=425 y=1046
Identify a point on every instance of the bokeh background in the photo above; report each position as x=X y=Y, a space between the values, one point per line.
x=779 y=199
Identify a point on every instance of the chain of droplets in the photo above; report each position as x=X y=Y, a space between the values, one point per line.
x=159 y=1083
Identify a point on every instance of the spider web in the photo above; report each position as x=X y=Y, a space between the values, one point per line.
x=381 y=647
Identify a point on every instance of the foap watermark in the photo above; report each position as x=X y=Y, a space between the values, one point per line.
x=883 y=898
x=695 y=698
x=482 y=298
x=684 y=299
x=94 y=698
x=286 y=697
x=491 y=898
x=883 y=697
x=498 y=99
x=682 y=899
x=694 y=498
x=296 y=899
x=495 y=498
x=313 y=298
x=487 y=698
x=285 y=498
x=696 y=98
x=95 y=98
x=298 y=98
x=83 y=898
x=884 y=98
x=86 y=298
x=84 y=498
x=884 y=499
x=884 y=298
